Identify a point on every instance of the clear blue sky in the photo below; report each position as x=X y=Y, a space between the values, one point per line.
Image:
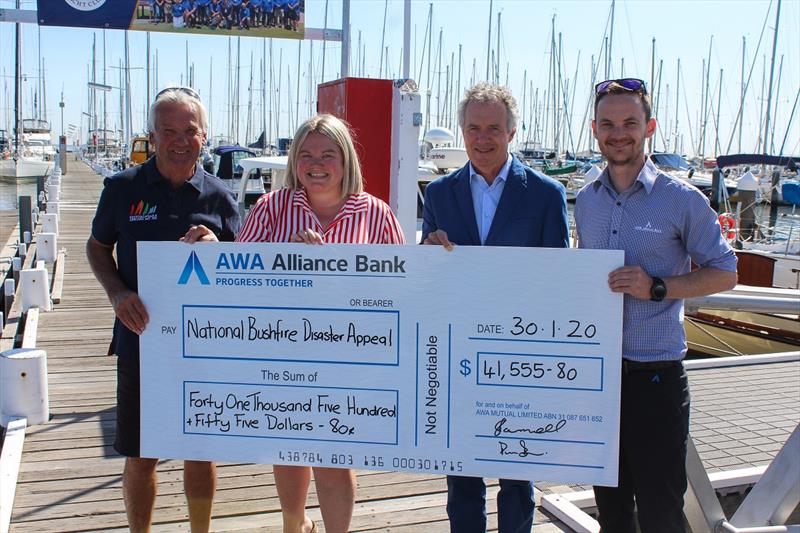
x=681 y=29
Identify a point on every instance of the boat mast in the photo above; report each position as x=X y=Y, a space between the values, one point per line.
x=383 y=40
x=488 y=40
x=297 y=97
x=209 y=134
x=147 y=80
x=610 y=40
x=706 y=100
x=652 y=84
x=497 y=56
x=105 y=99
x=128 y=114
x=719 y=106
x=17 y=87
x=771 y=74
x=324 y=43
x=407 y=41
x=741 y=96
x=777 y=99
x=439 y=80
x=773 y=210
x=428 y=77
x=458 y=90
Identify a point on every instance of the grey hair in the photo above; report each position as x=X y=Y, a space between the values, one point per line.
x=177 y=95
x=485 y=92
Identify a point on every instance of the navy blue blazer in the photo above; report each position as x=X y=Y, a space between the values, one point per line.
x=532 y=210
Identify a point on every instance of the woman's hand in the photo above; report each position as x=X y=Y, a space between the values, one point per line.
x=308 y=237
x=199 y=233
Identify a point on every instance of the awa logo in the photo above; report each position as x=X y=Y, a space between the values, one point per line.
x=142 y=211
x=85 y=5
x=193 y=266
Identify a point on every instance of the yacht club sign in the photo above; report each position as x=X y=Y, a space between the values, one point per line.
x=85 y=5
x=284 y=19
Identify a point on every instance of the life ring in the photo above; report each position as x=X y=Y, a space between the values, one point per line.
x=727 y=226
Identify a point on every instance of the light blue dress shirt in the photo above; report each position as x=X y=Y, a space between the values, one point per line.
x=485 y=197
x=663 y=224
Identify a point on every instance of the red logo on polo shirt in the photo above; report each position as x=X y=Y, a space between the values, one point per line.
x=142 y=211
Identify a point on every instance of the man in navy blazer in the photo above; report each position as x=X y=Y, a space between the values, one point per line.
x=494 y=200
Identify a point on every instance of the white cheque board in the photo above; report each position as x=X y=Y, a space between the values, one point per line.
x=497 y=362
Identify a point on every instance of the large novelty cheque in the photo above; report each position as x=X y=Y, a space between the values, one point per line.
x=497 y=362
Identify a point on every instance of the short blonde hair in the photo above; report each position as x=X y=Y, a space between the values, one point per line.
x=337 y=131
x=485 y=92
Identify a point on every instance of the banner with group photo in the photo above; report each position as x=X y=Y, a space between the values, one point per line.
x=483 y=361
x=252 y=18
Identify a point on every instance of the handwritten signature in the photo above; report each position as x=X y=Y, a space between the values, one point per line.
x=500 y=428
x=522 y=452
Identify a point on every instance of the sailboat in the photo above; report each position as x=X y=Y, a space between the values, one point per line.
x=26 y=162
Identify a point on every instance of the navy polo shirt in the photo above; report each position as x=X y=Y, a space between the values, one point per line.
x=139 y=204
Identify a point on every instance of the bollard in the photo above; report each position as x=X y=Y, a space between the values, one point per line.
x=23 y=386
x=49 y=223
x=52 y=207
x=53 y=193
x=22 y=248
x=9 y=286
x=26 y=237
x=46 y=247
x=16 y=266
x=34 y=289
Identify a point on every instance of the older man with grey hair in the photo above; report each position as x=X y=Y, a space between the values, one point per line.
x=169 y=197
x=494 y=200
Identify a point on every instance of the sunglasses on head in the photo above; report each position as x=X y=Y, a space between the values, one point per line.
x=627 y=84
x=185 y=90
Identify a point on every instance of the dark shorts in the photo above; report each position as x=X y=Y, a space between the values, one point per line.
x=127 y=440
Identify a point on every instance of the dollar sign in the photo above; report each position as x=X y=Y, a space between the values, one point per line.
x=465 y=369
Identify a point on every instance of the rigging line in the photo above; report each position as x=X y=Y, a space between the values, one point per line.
x=686 y=106
x=590 y=99
x=424 y=46
x=749 y=75
x=630 y=36
x=789 y=125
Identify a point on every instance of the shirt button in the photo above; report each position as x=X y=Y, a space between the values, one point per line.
x=619 y=203
x=614 y=232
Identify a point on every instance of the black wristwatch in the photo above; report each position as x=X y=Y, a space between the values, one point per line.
x=658 y=290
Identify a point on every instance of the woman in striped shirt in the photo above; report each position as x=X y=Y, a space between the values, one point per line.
x=323 y=202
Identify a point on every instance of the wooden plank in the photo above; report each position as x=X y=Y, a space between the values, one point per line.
x=58 y=278
x=10 y=458
x=29 y=328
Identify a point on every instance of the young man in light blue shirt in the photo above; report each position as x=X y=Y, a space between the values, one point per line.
x=664 y=225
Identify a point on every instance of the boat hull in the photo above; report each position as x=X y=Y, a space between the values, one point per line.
x=24 y=169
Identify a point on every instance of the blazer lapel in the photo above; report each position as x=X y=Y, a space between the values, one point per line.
x=513 y=192
x=463 y=196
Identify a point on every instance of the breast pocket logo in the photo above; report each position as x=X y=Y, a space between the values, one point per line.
x=142 y=211
x=193 y=266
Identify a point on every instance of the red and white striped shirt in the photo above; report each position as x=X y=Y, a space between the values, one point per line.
x=363 y=219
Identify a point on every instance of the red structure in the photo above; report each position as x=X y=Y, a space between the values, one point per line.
x=366 y=105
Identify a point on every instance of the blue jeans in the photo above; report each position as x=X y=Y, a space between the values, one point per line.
x=466 y=505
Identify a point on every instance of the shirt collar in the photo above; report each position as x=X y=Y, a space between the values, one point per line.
x=502 y=175
x=647 y=177
x=154 y=176
x=353 y=204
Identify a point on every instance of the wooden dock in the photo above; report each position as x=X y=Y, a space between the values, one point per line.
x=70 y=477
